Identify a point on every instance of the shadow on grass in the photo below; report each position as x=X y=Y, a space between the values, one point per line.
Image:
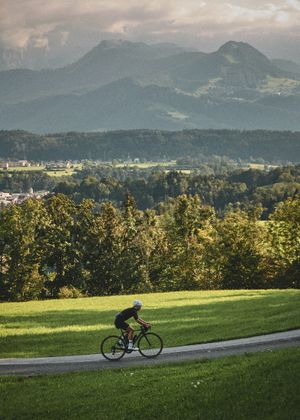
x=233 y=296
x=59 y=318
x=217 y=320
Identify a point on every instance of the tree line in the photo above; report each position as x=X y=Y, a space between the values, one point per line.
x=57 y=248
x=283 y=146
x=222 y=187
x=218 y=183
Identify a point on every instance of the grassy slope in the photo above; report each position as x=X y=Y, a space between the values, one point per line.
x=257 y=386
x=61 y=327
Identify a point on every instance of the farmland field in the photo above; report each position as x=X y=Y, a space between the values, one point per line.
x=42 y=169
x=146 y=165
x=65 y=327
x=34 y=168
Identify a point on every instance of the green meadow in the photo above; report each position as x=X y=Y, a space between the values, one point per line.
x=257 y=386
x=42 y=169
x=146 y=165
x=77 y=326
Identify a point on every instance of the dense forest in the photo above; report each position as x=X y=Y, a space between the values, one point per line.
x=218 y=183
x=272 y=146
x=109 y=230
x=245 y=188
x=57 y=248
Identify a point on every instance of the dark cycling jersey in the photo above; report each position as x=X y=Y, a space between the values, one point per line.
x=127 y=313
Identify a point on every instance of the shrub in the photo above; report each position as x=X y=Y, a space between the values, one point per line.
x=69 y=292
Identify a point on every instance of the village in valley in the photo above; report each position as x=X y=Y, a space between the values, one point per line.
x=8 y=197
x=18 y=198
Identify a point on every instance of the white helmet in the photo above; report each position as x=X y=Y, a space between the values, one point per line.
x=137 y=303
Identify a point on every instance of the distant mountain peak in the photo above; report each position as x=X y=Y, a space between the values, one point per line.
x=115 y=43
x=242 y=52
x=229 y=45
x=235 y=45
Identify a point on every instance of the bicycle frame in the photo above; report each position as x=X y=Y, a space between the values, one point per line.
x=124 y=336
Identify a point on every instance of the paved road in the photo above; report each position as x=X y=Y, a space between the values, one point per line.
x=50 y=365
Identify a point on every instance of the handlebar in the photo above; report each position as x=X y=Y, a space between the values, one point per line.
x=143 y=328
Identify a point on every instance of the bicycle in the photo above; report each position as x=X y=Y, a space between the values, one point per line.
x=114 y=347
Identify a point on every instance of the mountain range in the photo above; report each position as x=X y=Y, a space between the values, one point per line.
x=125 y=85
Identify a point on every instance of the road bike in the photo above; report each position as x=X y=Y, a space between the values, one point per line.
x=114 y=347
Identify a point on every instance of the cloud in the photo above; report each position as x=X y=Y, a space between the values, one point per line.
x=24 y=22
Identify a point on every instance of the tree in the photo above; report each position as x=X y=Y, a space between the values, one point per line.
x=153 y=245
x=284 y=229
x=20 y=274
x=188 y=228
x=62 y=250
x=130 y=256
x=239 y=250
x=103 y=249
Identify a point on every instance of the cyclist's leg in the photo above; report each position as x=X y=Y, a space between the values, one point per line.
x=121 y=325
x=129 y=332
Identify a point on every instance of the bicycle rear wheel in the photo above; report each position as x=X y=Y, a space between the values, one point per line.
x=150 y=345
x=113 y=348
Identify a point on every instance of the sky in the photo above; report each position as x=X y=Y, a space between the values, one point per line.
x=272 y=26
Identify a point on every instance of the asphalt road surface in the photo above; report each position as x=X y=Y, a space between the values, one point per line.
x=53 y=365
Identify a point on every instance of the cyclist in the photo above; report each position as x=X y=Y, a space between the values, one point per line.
x=123 y=316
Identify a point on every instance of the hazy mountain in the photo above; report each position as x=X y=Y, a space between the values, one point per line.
x=120 y=84
x=36 y=58
x=108 y=62
x=234 y=65
x=124 y=105
x=287 y=65
x=9 y=58
x=64 y=45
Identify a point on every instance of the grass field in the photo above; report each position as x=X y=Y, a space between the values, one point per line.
x=43 y=169
x=146 y=165
x=257 y=386
x=61 y=172
x=282 y=85
x=65 y=327
x=260 y=166
x=33 y=168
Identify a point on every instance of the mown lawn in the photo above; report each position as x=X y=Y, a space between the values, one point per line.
x=65 y=327
x=257 y=386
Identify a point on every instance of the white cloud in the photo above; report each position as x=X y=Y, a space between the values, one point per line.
x=293 y=4
x=25 y=22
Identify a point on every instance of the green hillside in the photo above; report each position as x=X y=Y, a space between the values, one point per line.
x=77 y=326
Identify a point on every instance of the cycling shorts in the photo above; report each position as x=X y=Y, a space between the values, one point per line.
x=120 y=323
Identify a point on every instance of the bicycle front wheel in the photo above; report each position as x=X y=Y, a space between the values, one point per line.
x=150 y=345
x=112 y=348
